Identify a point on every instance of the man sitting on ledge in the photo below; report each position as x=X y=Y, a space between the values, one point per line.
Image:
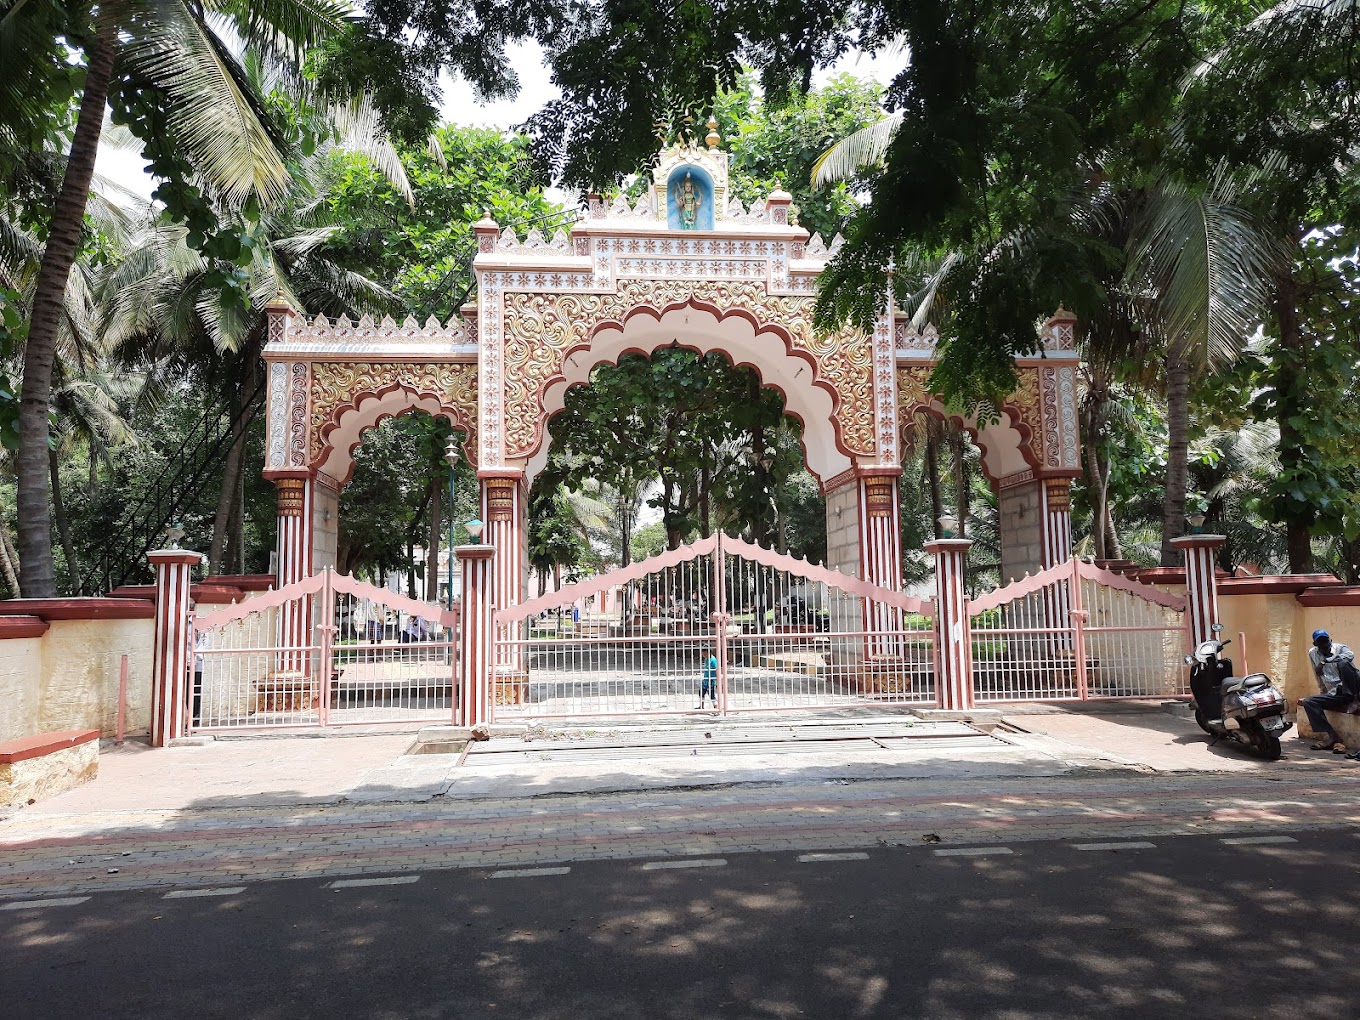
x=1338 y=684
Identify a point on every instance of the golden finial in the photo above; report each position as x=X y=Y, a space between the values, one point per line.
x=713 y=139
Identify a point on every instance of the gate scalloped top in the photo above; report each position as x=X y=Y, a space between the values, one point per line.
x=1031 y=583
x=314 y=585
x=714 y=543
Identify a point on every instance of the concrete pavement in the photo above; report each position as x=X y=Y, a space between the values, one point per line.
x=234 y=810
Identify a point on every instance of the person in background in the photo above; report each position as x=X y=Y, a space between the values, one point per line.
x=1338 y=686
x=708 y=681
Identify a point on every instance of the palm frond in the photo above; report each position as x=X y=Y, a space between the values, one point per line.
x=856 y=151
x=212 y=110
x=360 y=130
x=1209 y=267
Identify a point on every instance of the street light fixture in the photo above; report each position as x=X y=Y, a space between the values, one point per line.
x=450 y=455
x=949 y=526
x=474 y=530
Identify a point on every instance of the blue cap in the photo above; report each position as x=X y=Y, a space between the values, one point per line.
x=1319 y=634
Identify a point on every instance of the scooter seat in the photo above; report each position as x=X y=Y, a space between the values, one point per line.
x=1238 y=683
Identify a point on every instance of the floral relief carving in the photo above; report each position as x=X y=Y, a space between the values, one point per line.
x=339 y=386
x=540 y=328
x=1026 y=404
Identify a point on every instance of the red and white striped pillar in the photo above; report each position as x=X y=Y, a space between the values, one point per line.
x=170 y=652
x=880 y=556
x=294 y=548
x=505 y=518
x=1057 y=518
x=475 y=652
x=294 y=540
x=1201 y=583
x=953 y=656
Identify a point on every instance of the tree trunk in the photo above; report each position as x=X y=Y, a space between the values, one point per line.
x=38 y=577
x=432 y=554
x=63 y=523
x=705 y=493
x=226 y=499
x=960 y=480
x=933 y=480
x=1290 y=398
x=10 y=567
x=1178 y=450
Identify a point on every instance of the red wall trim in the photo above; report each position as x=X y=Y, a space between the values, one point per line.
x=1277 y=584
x=21 y=627
x=41 y=744
x=80 y=609
x=1329 y=597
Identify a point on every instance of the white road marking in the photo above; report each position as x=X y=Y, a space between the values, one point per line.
x=67 y=901
x=189 y=894
x=1258 y=840
x=973 y=851
x=529 y=872
x=1114 y=846
x=355 y=883
x=708 y=862
x=818 y=858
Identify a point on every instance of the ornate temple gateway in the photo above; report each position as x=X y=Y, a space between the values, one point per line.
x=687 y=265
x=720 y=620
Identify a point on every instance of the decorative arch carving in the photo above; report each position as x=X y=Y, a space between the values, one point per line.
x=345 y=395
x=543 y=330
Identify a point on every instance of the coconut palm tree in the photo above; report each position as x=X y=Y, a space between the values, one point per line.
x=181 y=56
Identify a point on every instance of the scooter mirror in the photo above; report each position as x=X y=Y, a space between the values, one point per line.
x=1216 y=628
x=1189 y=660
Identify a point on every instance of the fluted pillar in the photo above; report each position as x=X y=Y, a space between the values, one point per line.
x=1201 y=583
x=170 y=651
x=475 y=639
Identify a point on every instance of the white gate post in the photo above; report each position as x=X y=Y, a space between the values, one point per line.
x=1201 y=583
x=475 y=651
x=953 y=655
x=170 y=651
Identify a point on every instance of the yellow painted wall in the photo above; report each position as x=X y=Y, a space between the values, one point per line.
x=68 y=678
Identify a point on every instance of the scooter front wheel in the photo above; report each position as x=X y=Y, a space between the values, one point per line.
x=1201 y=722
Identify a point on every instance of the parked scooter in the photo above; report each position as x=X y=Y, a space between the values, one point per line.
x=1246 y=709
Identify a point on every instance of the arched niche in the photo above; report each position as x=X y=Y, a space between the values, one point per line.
x=689 y=198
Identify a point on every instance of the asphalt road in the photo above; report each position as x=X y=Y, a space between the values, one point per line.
x=1191 y=927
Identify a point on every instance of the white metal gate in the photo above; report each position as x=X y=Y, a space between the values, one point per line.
x=1076 y=631
x=772 y=632
x=327 y=650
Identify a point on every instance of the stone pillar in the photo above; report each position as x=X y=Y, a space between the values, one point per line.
x=1201 y=583
x=170 y=651
x=475 y=640
x=325 y=522
x=953 y=656
x=1020 y=507
x=843 y=525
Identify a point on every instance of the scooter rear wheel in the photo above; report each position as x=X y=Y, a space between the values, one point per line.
x=1201 y=723
x=1269 y=746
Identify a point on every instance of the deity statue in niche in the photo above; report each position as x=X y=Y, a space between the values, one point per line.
x=688 y=201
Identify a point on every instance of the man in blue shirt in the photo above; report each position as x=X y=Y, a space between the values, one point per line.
x=1334 y=668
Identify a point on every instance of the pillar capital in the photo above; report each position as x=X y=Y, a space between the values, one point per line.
x=473 y=553
x=168 y=557
x=1187 y=542
x=945 y=546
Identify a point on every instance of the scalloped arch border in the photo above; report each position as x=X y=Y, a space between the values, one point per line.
x=558 y=378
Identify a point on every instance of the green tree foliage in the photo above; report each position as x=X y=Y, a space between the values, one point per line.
x=775 y=145
x=424 y=248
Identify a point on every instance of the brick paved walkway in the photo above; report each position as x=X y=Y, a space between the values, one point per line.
x=53 y=855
